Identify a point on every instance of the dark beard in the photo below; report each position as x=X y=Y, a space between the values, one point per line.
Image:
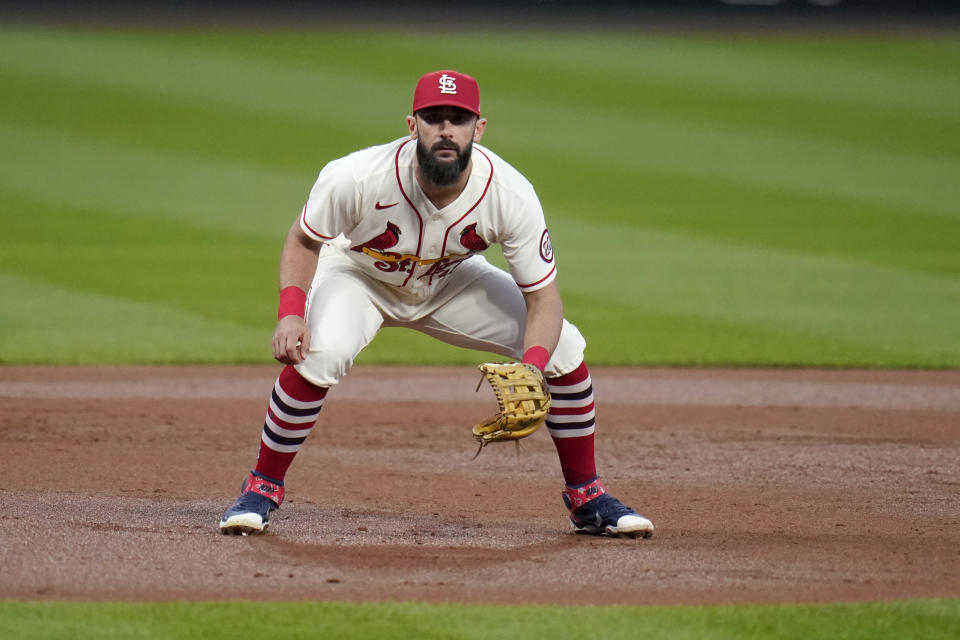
x=439 y=172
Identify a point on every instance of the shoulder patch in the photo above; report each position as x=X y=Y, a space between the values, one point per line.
x=546 y=247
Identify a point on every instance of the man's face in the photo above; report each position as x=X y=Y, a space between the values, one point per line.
x=445 y=137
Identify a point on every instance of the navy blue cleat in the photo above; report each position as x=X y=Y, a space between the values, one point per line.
x=250 y=513
x=593 y=511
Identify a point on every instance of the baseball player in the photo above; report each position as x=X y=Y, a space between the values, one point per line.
x=393 y=236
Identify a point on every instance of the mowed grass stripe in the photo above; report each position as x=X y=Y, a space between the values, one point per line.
x=216 y=275
x=858 y=307
x=786 y=66
x=911 y=75
x=63 y=171
x=661 y=84
x=658 y=337
x=928 y=619
x=167 y=124
x=151 y=65
x=50 y=324
x=792 y=164
x=713 y=208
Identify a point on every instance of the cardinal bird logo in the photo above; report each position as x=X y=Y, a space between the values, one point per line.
x=385 y=240
x=470 y=239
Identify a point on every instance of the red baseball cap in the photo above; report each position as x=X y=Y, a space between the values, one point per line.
x=447 y=89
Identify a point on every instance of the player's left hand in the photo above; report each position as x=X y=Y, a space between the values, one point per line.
x=291 y=340
x=523 y=399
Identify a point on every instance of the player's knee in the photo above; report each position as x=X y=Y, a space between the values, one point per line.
x=569 y=352
x=327 y=362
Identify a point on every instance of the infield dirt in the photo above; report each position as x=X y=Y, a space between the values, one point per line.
x=766 y=486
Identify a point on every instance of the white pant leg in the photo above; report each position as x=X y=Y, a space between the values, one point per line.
x=342 y=318
x=489 y=314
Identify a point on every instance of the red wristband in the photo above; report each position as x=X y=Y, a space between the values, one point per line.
x=293 y=299
x=537 y=356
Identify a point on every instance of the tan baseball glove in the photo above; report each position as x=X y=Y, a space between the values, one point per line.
x=522 y=394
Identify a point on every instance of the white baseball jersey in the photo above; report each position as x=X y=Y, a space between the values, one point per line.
x=396 y=235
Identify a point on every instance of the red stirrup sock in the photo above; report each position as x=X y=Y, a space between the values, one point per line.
x=570 y=422
x=294 y=407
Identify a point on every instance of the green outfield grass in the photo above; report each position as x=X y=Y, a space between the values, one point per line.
x=927 y=619
x=749 y=200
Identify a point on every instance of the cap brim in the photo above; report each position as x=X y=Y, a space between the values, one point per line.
x=445 y=103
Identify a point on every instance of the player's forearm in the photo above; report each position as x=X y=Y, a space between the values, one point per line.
x=298 y=261
x=544 y=319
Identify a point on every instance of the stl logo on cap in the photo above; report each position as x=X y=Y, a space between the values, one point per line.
x=447 y=88
x=448 y=84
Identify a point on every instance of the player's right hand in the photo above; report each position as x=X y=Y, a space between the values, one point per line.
x=291 y=340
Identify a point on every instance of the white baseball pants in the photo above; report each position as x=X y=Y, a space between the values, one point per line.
x=478 y=306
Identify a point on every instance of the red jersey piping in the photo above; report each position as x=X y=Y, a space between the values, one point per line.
x=303 y=222
x=443 y=247
x=396 y=162
x=533 y=284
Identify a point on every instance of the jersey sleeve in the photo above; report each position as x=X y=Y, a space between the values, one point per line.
x=526 y=245
x=332 y=207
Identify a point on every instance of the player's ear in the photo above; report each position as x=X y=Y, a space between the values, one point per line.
x=479 y=129
x=412 y=126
